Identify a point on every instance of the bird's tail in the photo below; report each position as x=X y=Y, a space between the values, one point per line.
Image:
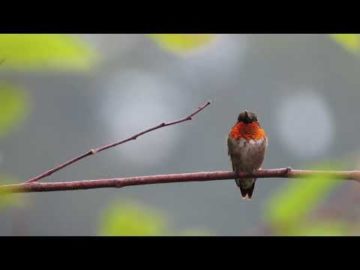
x=246 y=186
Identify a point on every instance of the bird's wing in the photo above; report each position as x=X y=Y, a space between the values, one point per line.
x=229 y=143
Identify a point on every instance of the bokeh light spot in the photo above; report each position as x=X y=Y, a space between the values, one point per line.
x=305 y=124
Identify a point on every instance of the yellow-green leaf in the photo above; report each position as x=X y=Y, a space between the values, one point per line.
x=350 y=42
x=182 y=43
x=132 y=219
x=13 y=107
x=44 y=51
x=293 y=202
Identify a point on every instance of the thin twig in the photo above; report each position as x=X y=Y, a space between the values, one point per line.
x=105 y=147
x=173 y=178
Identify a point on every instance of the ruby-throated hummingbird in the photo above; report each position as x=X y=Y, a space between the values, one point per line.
x=247 y=143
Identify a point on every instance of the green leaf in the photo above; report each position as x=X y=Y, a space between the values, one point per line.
x=132 y=219
x=350 y=42
x=182 y=43
x=44 y=51
x=13 y=107
x=292 y=203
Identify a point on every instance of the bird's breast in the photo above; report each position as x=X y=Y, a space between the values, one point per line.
x=248 y=154
x=243 y=145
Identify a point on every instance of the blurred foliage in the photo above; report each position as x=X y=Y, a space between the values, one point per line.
x=288 y=211
x=350 y=42
x=44 y=51
x=196 y=232
x=127 y=218
x=31 y=52
x=13 y=199
x=182 y=43
x=13 y=107
x=321 y=228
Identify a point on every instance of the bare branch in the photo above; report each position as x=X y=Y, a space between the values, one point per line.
x=105 y=147
x=32 y=185
x=172 y=178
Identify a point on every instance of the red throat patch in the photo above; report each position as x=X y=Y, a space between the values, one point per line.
x=251 y=131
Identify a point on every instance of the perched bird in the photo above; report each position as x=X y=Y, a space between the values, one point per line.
x=247 y=144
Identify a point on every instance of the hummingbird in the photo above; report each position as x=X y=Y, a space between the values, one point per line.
x=247 y=143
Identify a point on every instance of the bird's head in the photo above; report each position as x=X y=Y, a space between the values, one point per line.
x=247 y=117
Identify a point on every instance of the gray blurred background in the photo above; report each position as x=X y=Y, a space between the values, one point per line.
x=304 y=88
